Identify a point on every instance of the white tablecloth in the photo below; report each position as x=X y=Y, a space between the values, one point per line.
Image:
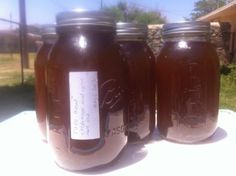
x=22 y=153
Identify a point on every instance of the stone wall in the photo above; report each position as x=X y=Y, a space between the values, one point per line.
x=218 y=38
x=221 y=40
x=154 y=38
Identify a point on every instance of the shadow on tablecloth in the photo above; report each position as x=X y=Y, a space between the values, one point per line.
x=132 y=154
x=15 y=99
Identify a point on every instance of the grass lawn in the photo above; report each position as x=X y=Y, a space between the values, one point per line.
x=10 y=69
x=15 y=98
x=228 y=87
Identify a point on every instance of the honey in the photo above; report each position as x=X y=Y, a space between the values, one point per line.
x=49 y=37
x=86 y=92
x=141 y=83
x=187 y=76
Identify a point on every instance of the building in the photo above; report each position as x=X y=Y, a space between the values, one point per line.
x=9 y=41
x=226 y=16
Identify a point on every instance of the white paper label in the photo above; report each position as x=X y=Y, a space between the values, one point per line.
x=84 y=107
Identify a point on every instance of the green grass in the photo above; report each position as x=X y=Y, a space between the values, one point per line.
x=14 y=97
x=228 y=87
x=10 y=69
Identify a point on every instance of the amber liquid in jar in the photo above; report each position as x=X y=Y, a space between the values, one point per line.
x=86 y=97
x=187 y=75
x=141 y=89
x=40 y=86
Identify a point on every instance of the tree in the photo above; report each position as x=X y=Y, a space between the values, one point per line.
x=118 y=12
x=122 y=12
x=203 y=7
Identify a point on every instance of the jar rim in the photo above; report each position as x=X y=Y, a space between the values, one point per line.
x=131 y=31
x=186 y=28
x=48 y=29
x=84 y=18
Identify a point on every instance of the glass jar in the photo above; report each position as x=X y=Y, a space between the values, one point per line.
x=141 y=83
x=187 y=76
x=48 y=37
x=86 y=91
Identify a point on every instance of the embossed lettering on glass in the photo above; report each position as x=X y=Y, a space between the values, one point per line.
x=141 y=90
x=86 y=97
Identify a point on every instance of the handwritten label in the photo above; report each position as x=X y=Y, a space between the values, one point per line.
x=84 y=106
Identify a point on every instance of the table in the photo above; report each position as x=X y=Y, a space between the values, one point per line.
x=23 y=153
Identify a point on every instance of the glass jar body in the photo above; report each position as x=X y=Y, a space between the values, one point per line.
x=40 y=86
x=187 y=75
x=86 y=99
x=141 y=89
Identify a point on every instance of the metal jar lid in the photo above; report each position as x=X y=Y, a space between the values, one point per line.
x=131 y=31
x=84 y=18
x=186 y=28
x=48 y=31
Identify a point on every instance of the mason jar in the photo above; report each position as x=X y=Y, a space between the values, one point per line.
x=187 y=75
x=48 y=38
x=141 y=83
x=86 y=91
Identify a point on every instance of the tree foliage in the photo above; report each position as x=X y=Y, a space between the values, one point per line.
x=203 y=7
x=123 y=12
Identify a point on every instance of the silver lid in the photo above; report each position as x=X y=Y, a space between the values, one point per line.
x=48 y=31
x=131 y=31
x=193 y=28
x=82 y=18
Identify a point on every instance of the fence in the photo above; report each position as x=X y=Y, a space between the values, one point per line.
x=11 y=66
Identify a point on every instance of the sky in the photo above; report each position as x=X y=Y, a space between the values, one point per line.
x=44 y=11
